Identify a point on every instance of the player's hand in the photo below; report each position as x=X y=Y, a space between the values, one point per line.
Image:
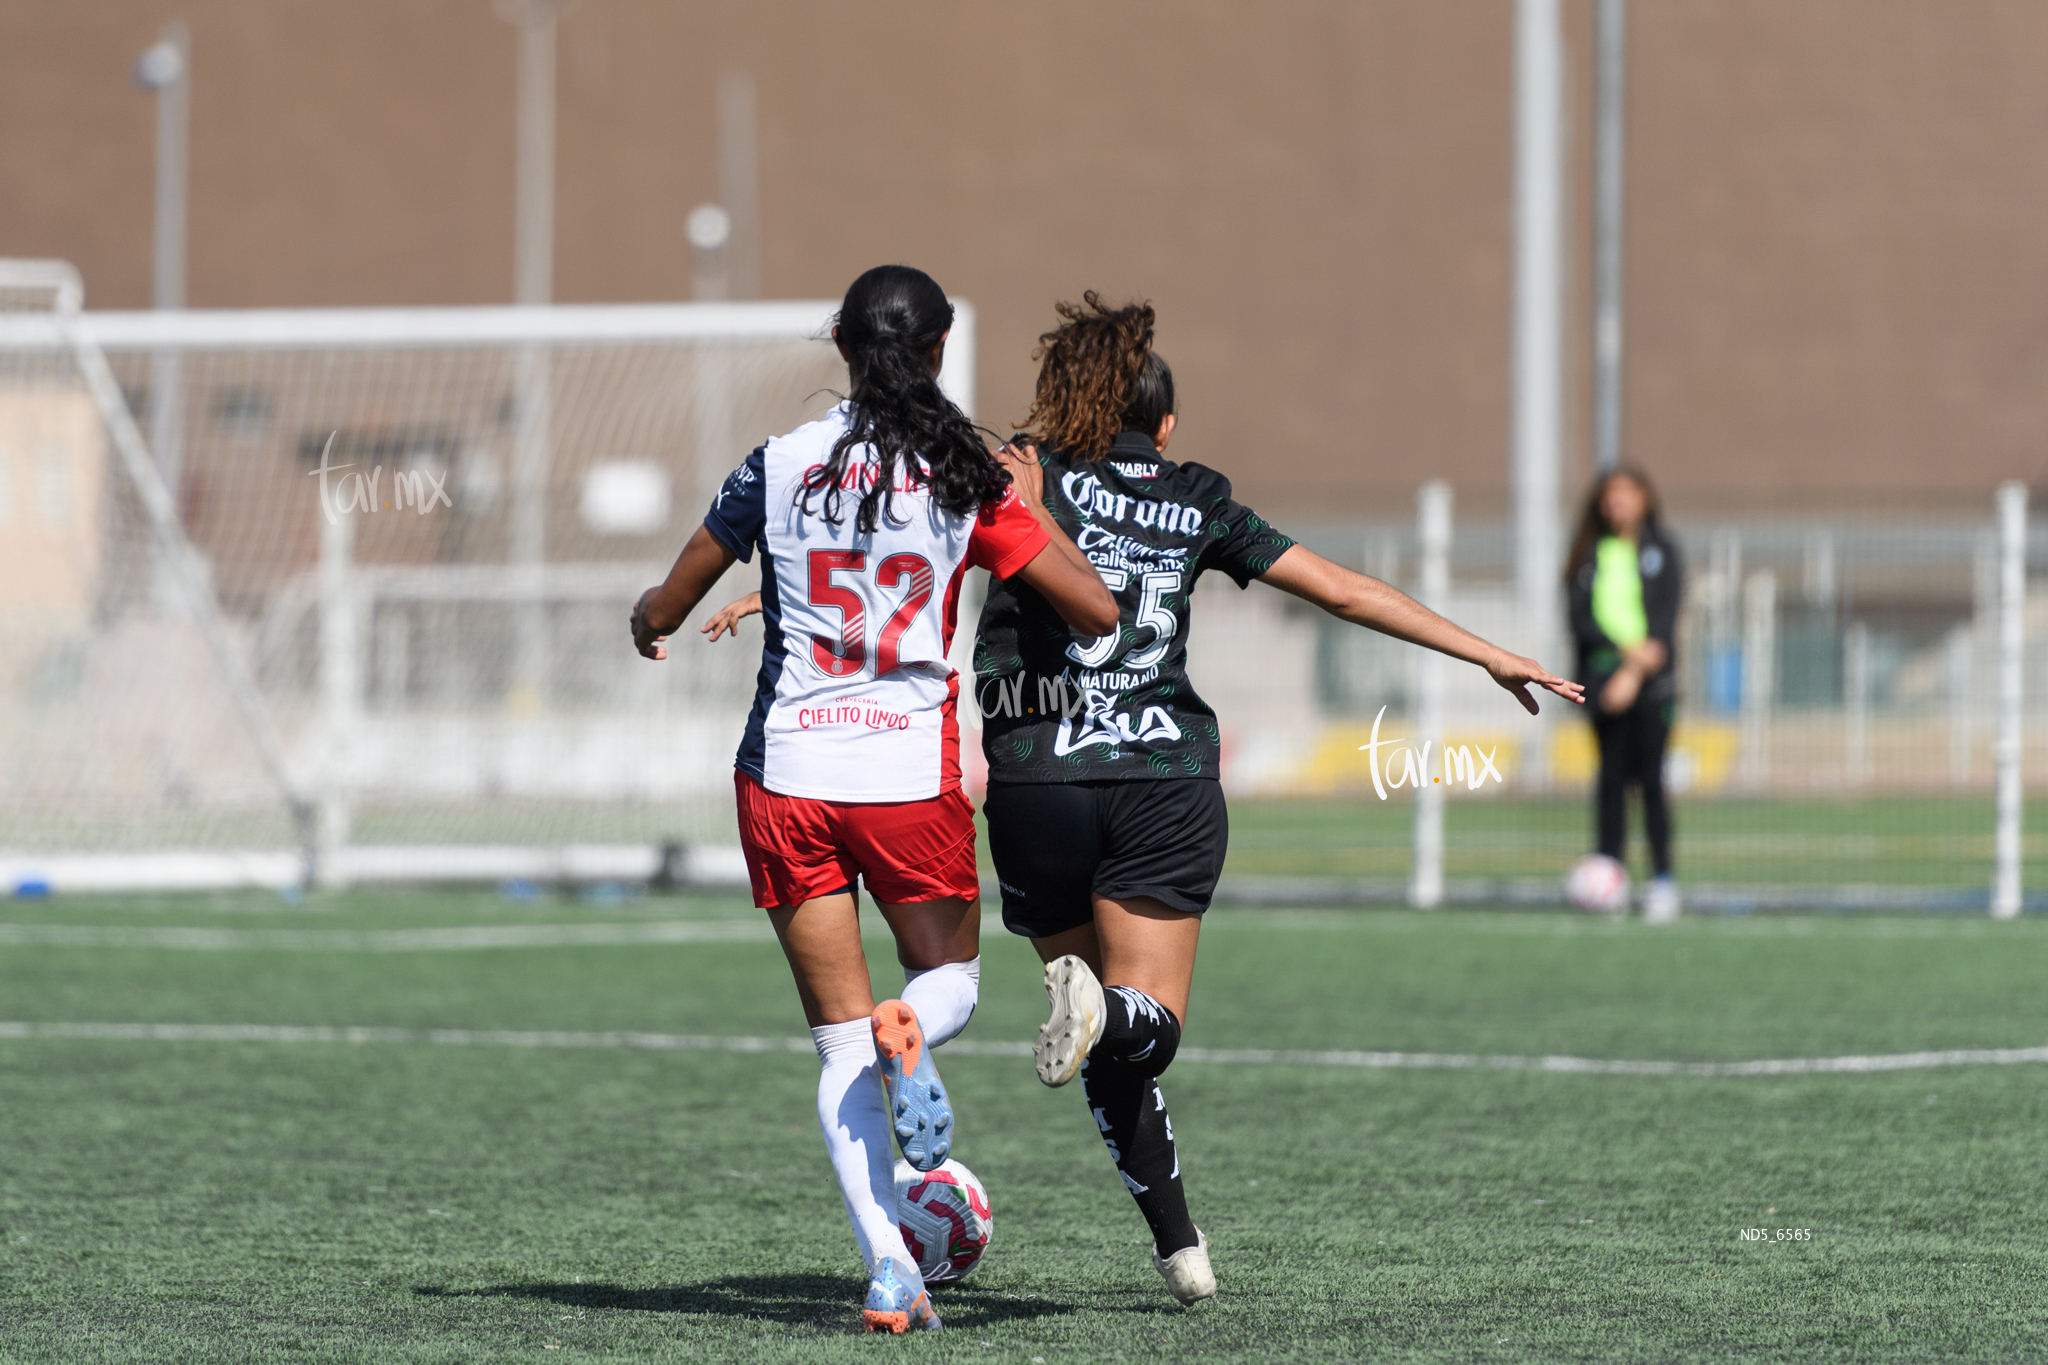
x=728 y=617
x=1518 y=675
x=1027 y=476
x=1621 y=691
x=645 y=640
x=1646 y=657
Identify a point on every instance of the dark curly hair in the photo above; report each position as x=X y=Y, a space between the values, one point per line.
x=889 y=323
x=1097 y=376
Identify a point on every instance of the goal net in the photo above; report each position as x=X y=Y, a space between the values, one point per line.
x=345 y=592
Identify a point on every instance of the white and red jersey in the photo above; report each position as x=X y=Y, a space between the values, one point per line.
x=856 y=700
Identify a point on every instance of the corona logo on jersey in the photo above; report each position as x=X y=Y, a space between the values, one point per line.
x=1086 y=492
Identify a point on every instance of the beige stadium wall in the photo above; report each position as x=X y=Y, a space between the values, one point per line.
x=1834 y=239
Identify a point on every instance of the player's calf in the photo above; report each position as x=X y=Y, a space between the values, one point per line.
x=1130 y=1112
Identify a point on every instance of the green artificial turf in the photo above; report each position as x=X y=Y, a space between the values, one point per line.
x=402 y=1201
x=1926 y=841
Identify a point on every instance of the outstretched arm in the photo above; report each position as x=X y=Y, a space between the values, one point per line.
x=1060 y=572
x=727 y=618
x=661 y=610
x=1368 y=602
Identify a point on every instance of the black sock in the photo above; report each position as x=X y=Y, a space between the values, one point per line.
x=1119 y=1078
x=1139 y=1031
x=1131 y=1112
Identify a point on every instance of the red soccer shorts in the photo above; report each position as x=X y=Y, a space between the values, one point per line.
x=904 y=851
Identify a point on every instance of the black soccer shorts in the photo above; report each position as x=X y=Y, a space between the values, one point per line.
x=1058 y=844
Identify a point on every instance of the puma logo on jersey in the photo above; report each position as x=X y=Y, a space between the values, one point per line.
x=1090 y=498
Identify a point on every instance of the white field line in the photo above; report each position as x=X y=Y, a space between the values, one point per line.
x=1599 y=1066
x=460 y=938
x=1558 y=925
x=695 y=1042
x=457 y=938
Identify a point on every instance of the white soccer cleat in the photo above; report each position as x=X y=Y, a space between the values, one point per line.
x=1660 y=901
x=1187 y=1271
x=1076 y=1023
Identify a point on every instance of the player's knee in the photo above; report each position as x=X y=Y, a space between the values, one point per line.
x=957 y=976
x=1168 y=1046
x=944 y=997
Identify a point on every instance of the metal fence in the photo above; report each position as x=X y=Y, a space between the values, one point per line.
x=1860 y=708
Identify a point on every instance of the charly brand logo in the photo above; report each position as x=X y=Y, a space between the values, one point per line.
x=420 y=489
x=1467 y=763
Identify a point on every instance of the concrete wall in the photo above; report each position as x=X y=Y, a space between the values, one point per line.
x=1835 y=265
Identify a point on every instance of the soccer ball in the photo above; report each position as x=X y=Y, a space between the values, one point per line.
x=945 y=1219
x=1598 y=885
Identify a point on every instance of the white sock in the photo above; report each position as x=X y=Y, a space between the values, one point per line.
x=855 y=1119
x=943 y=998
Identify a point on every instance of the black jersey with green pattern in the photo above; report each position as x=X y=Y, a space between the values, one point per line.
x=1062 y=707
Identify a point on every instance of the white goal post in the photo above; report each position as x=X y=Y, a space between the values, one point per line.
x=363 y=617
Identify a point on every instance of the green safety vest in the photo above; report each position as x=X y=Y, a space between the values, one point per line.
x=1618 y=592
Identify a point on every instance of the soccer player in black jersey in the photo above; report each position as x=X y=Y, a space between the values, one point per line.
x=1106 y=819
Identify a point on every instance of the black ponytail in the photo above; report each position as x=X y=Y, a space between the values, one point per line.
x=889 y=322
x=1151 y=399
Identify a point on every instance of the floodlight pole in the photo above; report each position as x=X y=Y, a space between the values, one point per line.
x=1433 y=527
x=710 y=231
x=1759 y=675
x=166 y=69
x=533 y=251
x=341 y=623
x=1607 y=206
x=739 y=183
x=1538 y=398
x=2012 y=591
x=533 y=236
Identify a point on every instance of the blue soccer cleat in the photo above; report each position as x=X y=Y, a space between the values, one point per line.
x=918 y=1108
x=893 y=1306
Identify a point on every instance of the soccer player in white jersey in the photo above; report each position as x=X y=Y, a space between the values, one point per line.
x=866 y=521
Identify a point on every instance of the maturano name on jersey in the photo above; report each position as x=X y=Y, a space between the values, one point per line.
x=1058 y=707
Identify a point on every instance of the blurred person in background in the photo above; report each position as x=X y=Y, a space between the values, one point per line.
x=1623 y=581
